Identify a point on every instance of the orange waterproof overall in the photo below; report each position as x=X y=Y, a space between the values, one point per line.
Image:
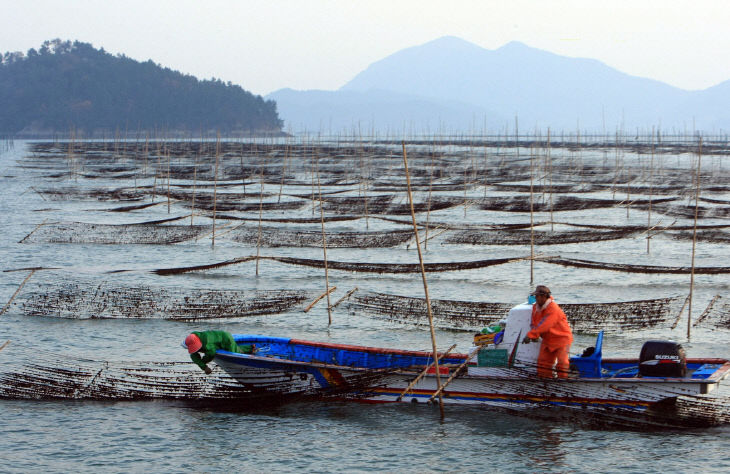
x=552 y=325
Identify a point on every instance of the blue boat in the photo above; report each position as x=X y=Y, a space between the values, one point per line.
x=283 y=368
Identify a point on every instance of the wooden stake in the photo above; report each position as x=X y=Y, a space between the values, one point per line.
x=694 y=239
x=347 y=295
x=4 y=345
x=167 y=152
x=425 y=283
x=324 y=242
x=651 y=192
x=5 y=308
x=454 y=374
x=215 y=183
x=420 y=376
x=261 y=211
x=532 y=219
x=326 y=293
x=195 y=179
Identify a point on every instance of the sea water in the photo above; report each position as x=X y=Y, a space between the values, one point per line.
x=159 y=436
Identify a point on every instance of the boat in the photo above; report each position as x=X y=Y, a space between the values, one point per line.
x=498 y=374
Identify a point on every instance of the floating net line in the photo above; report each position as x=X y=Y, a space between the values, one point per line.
x=291 y=220
x=85 y=233
x=278 y=237
x=621 y=267
x=716 y=315
x=452 y=314
x=76 y=300
x=368 y=267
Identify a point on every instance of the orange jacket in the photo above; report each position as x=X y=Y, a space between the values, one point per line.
x=552 y=325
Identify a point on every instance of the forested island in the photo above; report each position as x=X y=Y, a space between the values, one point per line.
x=67 y=88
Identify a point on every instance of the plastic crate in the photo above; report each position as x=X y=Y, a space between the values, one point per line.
x=492 y=357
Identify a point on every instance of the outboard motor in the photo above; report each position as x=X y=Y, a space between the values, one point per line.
x=662 y=359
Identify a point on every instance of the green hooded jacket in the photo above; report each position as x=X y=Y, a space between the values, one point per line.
x=214 y=340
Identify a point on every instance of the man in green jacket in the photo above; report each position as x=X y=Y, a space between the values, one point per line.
x=208 y=342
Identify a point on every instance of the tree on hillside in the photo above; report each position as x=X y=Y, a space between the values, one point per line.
x=66 y=85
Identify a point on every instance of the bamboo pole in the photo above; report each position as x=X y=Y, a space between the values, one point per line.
x=215 y=183
x=146 y=151
x=425 y=283
x=423 y=372
x=5 y=344
x=550 y=168
x=31 y=233
x=428 y=203
x=532 y=218
x=324 y=242
x=316 y=300
x=5 y=308
x=283 y=169
x=707 y=310
x=195 y=180
x=694 y=239
x=651 y=193
x=261 y=212
x=243 y=178
x=167 y=152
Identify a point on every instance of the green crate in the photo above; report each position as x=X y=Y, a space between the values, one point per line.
x=492 y=357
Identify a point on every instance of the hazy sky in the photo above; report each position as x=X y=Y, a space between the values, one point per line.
x=321 y=44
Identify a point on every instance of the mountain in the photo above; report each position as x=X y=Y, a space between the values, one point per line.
x=360 y=112
x=539 y=88
x=65 y=86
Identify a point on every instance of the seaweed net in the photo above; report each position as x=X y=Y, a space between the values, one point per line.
x=622 y=267
x=557 y=203
x=226 y=202
x=524 y=237
x=85 y=233
x=447 y=314
x=452 y=314
x=384 y=205
x=716 y=236
x=623 y=316
x=679 y=412
x=99 y=194
x=76 y=300
x=53 y=377
x=278 y=237
x=716 y=315
x=688 y=211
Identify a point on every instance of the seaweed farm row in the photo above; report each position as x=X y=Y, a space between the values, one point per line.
x=119 y=248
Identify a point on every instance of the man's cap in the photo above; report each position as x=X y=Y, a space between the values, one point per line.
x=193 y=343
x=541 y=290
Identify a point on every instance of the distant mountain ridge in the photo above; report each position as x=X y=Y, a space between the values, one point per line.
x=539 y=88
x=68 y=86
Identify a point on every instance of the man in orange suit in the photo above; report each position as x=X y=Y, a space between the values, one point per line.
x=550 y=323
